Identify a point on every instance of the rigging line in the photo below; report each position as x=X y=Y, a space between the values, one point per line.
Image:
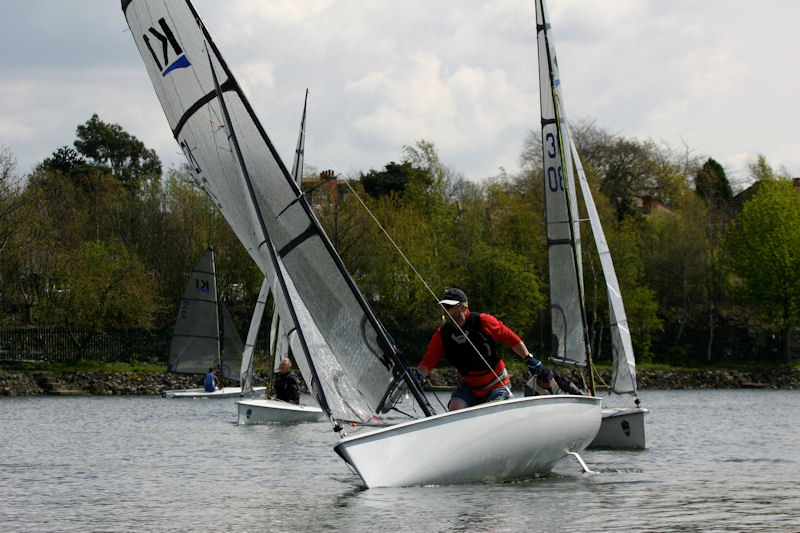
x=425 y=283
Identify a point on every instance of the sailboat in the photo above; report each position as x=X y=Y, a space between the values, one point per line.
x=197 y=342
x=268 y=410
x=622 y=427
x=355 y=372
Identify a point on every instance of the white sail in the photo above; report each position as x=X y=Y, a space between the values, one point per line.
x=252 y=336
x=563 y=233
x=623 y=378
x=321 y=309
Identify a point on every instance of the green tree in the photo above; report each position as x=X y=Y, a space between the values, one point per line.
x=104 y=287
x=111 y=146
x=712 y=184
x=763 y=247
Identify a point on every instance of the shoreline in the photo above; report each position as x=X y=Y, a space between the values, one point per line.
x=98 y=383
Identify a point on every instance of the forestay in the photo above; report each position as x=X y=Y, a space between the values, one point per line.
x=354 y=366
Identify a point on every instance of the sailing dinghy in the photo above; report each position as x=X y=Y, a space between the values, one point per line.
x=622 y=427
x=354 y=370
x=268 y=410
x=271 y=410
x=197 y=342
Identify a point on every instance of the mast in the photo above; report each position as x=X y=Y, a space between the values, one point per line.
x=555 y=177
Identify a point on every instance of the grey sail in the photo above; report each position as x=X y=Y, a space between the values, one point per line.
x=351 y=365
x=563 y=233
x=231 y=358
x=623 y=377
x=195 y=339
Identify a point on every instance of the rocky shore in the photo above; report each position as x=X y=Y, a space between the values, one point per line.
x=30 y=383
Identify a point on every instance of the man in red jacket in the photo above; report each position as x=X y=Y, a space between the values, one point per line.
x=467 y=340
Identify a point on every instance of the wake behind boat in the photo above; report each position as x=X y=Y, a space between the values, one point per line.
x=352 y=366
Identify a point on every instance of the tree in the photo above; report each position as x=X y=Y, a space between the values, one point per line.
x=393 y=179
x=104 y=287
x=126 y=156
x=763 y=247
x=712 y=184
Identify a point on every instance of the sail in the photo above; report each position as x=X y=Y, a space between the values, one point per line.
x=563 y=234
x=299 y=153
x=623 y=376
x=351 y=362
x=246 y=368
x=195 y=338
x=231 y=359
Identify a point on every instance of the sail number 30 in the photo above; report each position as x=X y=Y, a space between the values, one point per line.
x=555 y=174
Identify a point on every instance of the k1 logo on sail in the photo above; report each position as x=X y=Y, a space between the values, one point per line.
x=167 y=39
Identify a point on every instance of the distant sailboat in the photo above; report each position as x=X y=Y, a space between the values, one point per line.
x=344 y=353
x=267 y=410
x=197 y=341
x=622 y=427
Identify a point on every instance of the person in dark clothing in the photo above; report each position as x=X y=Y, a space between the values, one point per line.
x=286 y=386
x=467 y=340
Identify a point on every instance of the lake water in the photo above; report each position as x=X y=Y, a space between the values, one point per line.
x=718 y=460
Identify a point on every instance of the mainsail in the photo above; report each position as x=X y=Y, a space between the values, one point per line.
x=355 y=367
x=195 y=338
x=563 y=234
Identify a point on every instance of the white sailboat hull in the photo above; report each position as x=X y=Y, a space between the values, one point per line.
x=224 y=392
x=494 y=442
x=621 y=428
x=264 y=411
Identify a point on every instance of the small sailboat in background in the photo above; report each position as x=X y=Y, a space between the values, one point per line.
x=270 y=410
x=622 y=427
x=198 y=343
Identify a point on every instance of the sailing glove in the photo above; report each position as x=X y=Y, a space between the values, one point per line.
x=538 y=370
x=419 y=376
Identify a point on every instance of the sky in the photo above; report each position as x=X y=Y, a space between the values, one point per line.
x=707 y=78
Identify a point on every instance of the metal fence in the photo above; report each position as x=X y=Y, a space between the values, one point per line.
x=60 y=345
